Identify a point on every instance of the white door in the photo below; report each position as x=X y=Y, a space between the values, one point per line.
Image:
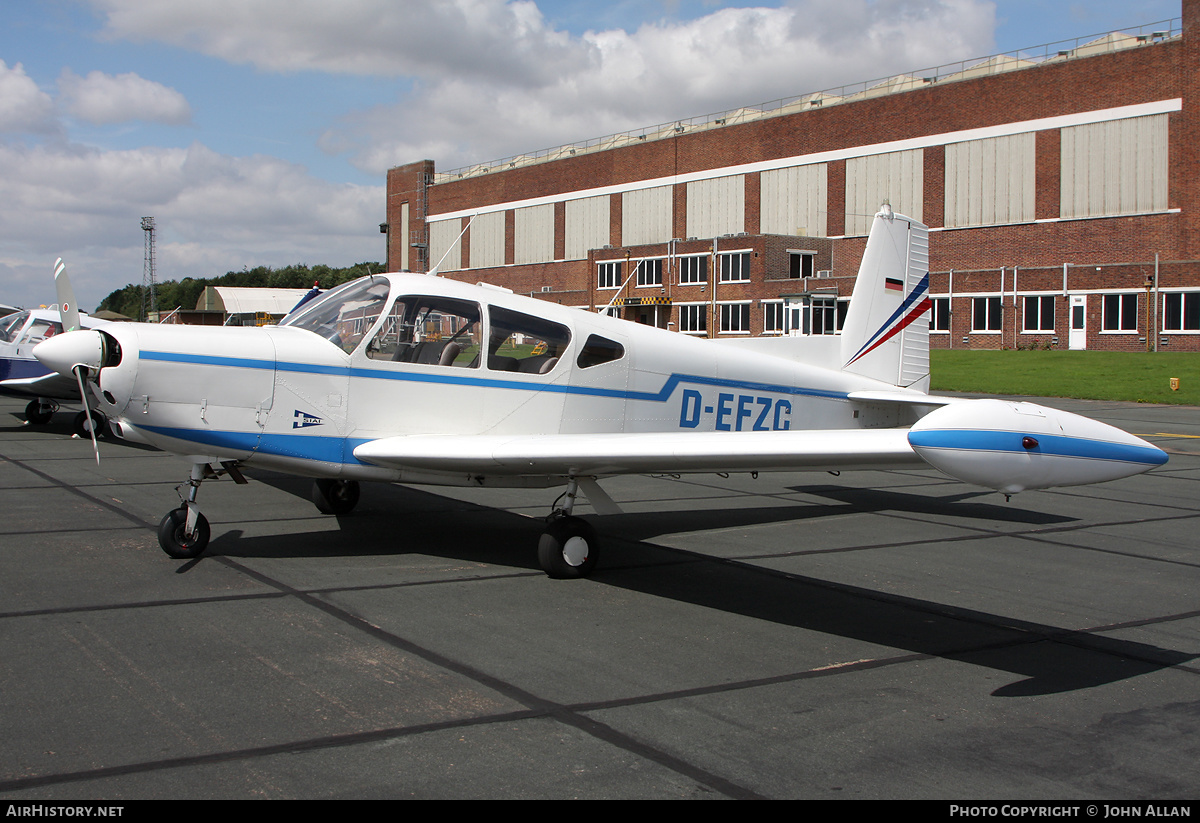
x=1077 y=337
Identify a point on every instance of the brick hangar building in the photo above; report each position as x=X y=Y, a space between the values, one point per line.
x=1061 y=187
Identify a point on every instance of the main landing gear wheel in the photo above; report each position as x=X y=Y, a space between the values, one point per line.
x=568 y=548
x=87 y=421
x=39 y=413
x=174 y=540
x=335 y=496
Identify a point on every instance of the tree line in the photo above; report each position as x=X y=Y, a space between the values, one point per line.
x=171 y=294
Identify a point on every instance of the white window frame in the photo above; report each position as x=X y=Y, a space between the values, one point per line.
x=685 y=266
x=1185 y=298
x=728 y=272
x=998 y=305
x=611 y=267
x=1121 y=299
x=688 y=315
x=938 y=311
x=1040 y=300
x=725 y=312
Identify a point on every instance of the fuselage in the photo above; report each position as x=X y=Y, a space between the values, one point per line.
x=402 y=354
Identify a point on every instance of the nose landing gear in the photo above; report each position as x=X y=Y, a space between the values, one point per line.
x=183 y=532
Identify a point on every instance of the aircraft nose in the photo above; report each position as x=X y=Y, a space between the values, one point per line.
x=64 y=352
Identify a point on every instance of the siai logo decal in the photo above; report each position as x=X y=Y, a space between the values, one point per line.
x=304 y=420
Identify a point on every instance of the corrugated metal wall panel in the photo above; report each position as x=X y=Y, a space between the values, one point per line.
x=587 y=226
x=443 y=236
x=793 y=200
x=646 y=216
x=1116 y=167
x=534 y=234
x=717 y=206
x=896 y=178
x=487 y=240
x=990 y=181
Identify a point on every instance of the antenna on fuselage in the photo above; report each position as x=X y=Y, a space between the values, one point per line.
x=434 y=270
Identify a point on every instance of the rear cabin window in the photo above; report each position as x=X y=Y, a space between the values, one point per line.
x=599 y=350
x=431 y=331
x=524 y=343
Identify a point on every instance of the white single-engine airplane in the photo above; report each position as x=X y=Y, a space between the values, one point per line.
x=23 y=376
x=408 y=378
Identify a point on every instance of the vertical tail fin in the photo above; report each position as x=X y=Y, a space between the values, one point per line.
x=886 y=333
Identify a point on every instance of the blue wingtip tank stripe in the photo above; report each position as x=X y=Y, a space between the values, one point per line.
x=1049 y=445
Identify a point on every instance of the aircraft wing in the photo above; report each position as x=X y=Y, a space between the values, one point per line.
x=52 y=385
x=645 y=453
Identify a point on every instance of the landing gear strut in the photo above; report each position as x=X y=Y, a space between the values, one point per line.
x=568 y=547
x=183 y=533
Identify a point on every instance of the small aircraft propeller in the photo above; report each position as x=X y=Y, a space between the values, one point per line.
x=68 y=312
x=80 y=371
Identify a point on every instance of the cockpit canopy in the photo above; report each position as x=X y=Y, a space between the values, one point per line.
x=432 y=329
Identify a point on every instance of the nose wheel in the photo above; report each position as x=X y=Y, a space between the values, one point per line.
x=183 y=532
x=177 y=540
x=90 y=420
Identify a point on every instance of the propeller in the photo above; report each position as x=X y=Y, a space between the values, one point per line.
x=79 y=372
x=68 y=312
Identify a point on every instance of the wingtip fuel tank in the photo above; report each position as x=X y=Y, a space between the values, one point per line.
x=1014 y=446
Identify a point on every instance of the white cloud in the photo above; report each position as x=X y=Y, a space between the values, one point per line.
x=103 y=99
x=214 y=213
x=24 y=108
x=662 y=72
x=494 y=78
x=484 y=38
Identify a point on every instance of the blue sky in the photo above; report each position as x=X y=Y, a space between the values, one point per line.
x=259 y=132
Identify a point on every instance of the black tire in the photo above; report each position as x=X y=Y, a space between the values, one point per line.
x=175 y=543
x=335 y=496
x=98 y=420
x=568 y=549
x=37 y=413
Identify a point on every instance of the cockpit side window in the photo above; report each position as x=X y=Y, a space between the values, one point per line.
x=524 y=343
x=345 y=315
x=599 y=350
x=431 y=331
x=39 y=330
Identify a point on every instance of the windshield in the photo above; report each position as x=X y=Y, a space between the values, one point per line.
x=344 y=315
x=10 y=326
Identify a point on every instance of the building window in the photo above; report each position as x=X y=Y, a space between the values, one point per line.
x=1120 y=312
x=800 y=265
x=735 y=268
x=773 y=318
x=693 y=270
x=649 y=273
x=1039 y=313
x=985 y=314
x=939 y=315
x=693 y=318
x=1181 y=311
x=735 y=318
x=609 y=276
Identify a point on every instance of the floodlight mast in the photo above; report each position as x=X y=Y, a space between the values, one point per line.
x=149 y=292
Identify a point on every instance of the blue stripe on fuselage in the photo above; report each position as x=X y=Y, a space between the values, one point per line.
x=661 y=396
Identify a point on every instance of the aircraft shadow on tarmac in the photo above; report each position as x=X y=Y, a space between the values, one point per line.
x=1049 y=659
